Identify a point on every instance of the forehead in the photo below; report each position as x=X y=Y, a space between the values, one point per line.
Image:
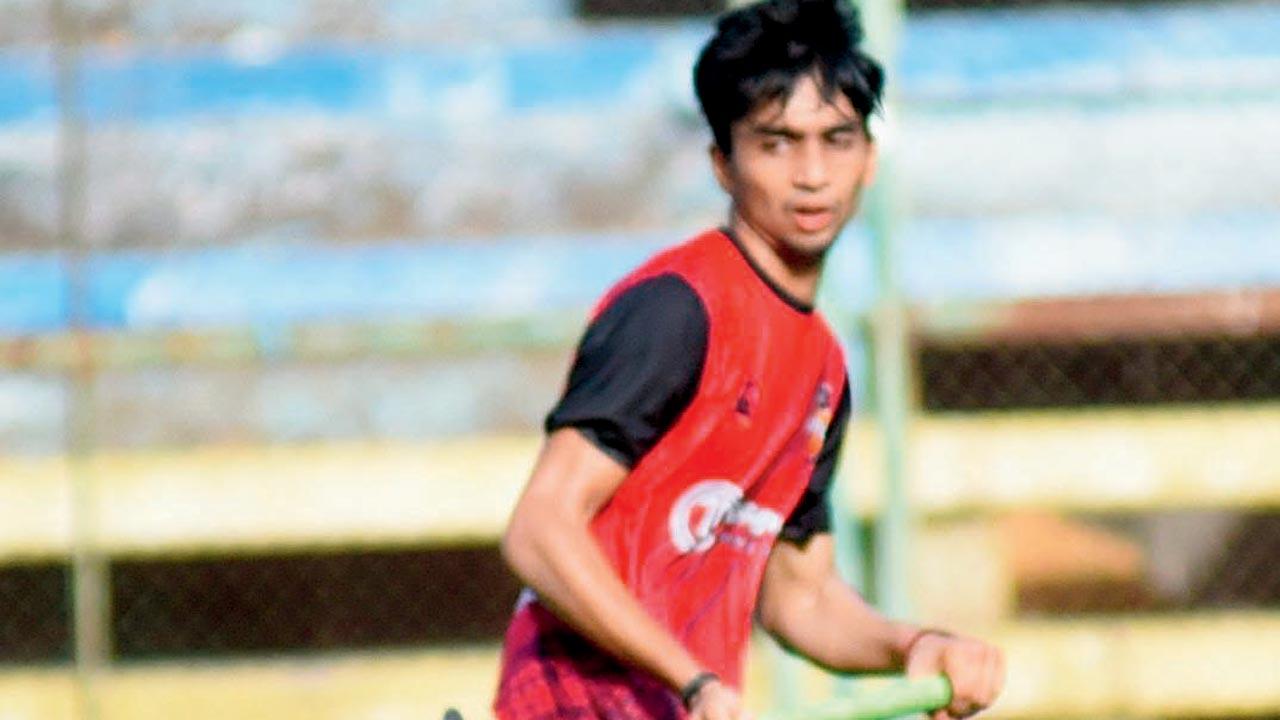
x=804 y=108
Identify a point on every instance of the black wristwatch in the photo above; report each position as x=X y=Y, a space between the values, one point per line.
x=694 y=686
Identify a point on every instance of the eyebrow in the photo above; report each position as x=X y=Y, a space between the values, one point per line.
x=792 y=134
x=775 y=131
x=851 y=126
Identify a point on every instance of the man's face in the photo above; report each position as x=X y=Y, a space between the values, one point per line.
x=797 y=170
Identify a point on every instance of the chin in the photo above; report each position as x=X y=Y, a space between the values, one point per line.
x=809 y=249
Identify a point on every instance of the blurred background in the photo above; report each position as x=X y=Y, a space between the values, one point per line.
x=286 y=288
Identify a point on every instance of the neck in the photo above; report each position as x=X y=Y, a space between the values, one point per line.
x=795 y=273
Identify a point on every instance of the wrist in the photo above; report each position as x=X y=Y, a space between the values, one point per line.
x=913 y=638
x=690 y=690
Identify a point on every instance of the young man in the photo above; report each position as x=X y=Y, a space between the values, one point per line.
x=683 y=485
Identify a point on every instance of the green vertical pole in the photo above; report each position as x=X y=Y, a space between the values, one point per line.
x=893 y=533
x=88 y=587
x=890 y=360
x=846 y=530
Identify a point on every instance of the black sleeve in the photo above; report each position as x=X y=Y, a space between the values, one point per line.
x=637 y=368
x=812 y=515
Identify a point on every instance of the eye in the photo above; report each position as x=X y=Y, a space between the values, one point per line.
x=842 y=139
x=774 y=144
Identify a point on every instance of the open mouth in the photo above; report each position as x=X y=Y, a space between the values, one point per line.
x=812 y=219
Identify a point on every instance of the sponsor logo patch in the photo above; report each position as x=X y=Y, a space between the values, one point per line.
x=819 y=420
x=714 y=511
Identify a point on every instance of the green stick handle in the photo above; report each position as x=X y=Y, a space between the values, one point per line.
x=881 y=698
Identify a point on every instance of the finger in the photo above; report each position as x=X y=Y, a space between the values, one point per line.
x=981 y=682
x=979 y=668
x=994 y=675
x=991 y=678
x=964 y=666
x=924 y=660
x=962 y=709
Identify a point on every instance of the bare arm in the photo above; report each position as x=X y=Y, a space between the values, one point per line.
x=549 y=545
x=805 y=604
x=808 y=608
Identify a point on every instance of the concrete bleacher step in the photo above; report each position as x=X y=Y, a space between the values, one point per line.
x=1200 y=666
x=234 y=498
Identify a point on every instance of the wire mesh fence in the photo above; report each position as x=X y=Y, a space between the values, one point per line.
x=313 y=602
x=252 y=230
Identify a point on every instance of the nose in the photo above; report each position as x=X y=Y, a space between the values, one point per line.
x=810 y=171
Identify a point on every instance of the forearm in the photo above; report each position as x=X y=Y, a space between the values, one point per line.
x=556 y=555
x=833 y=626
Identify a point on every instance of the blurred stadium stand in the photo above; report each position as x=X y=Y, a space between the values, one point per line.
x=592 y=128
x=333 y=255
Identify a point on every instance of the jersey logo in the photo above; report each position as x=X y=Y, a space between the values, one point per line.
x=748 y=400
x=715 y=510
x=820 y=420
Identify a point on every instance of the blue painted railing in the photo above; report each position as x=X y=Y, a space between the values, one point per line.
x=947 y=56
x=296 y=282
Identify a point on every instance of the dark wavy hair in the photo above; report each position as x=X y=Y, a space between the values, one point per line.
x=760 y=51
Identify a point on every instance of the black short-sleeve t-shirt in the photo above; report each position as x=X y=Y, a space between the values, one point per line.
x=638 y=367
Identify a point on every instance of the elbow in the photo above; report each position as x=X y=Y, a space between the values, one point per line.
x=516 y=545
x=772 y=616
x=525 y=541
x=787 y=611
x=780 y=629
x=538 y=536
x=777 y=628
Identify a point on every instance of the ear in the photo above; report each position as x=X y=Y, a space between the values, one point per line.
x=720 y=165
x=873 y=163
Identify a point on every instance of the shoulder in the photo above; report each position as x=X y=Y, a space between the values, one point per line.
x=654 y=315
x=665 y=300
x=829 y=338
